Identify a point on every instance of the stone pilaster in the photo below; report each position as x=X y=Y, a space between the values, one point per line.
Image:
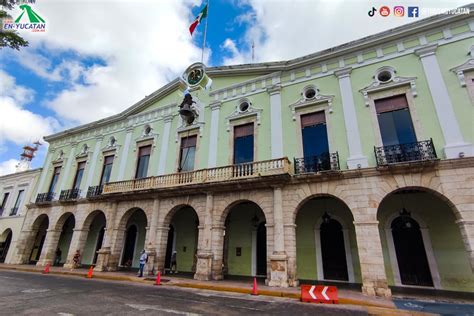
x=204 y=253
x=24 y=247
x=369 y=246
x=290 y=248
x=78 y=242
x=467 y=232
x=150 y=239
x=49 y=248
x=161 y=241
x=103 y=255
x=278 y=259
x=217 y=251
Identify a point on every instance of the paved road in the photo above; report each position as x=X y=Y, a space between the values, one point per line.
x=440 y=308
x=24 y=293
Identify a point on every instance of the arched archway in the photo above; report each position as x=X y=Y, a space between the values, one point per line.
x=419 y=234
x=66 y=224
x=39 y=228
x=134 y=224
x=245 y=241
x=95 y=223
x=183 y=235
x=326 y=246
x=5 y=241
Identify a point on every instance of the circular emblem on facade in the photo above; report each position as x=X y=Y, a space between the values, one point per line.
x=195 y=76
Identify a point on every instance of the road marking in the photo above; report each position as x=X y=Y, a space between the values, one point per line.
x=243 y=307
x=65 y=314
x=35 y=291
x=311 y=292
x=142 y=308
x=324 y=293
x=412 y=305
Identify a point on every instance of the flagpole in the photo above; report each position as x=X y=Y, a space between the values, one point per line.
x=205 y=32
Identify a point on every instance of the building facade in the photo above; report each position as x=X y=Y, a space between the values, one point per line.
x=16 y=191
x=351 y=165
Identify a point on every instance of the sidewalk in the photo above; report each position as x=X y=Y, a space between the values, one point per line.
x=374 y=305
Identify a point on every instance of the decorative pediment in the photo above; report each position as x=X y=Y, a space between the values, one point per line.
x=59 y=157
x=461 y=69
x=147 y=135
x=393 y=82
x=315 y=100
x=84 y=152
x=111 y=145
x=188 y=128
x=244 y=109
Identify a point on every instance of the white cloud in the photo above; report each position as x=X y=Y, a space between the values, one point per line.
x=8 y=166
x=289 y=29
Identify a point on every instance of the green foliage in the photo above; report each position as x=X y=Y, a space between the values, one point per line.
x=10 y=39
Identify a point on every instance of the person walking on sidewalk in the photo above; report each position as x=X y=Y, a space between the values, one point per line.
x=76 y=259
x=143 y=261
x=173 y=263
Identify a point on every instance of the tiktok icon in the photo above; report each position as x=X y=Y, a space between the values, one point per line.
x=371 y=13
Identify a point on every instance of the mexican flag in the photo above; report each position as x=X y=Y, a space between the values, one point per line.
x=199 y=18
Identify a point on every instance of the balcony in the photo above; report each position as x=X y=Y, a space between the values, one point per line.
x=94 y=191
x=44 y=197
x=419 y=151
x=323 y=162
x=251 y=170
x=69 y=195
x=14 y=211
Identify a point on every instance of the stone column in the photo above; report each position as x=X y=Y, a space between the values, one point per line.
x=290 y=248
x=24 y=247
x=78 y=241
x=160 y=246
x=49 y=247
x=467 y=232
x=217 y=246
x=164 y=145
x=215 y=108
x=204 y=253
x=455 y=144
x=278 y=259
x=103 y=255
x=150 y=241
x=92 y=164
x=369 y=246
x=356 y=158
x=276 y=120
x=124 y=154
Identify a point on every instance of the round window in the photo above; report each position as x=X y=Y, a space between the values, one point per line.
x=244 y=106
x=309 y=93
x=147 y=130
x=384 y=76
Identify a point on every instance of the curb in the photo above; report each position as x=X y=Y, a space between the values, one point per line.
x=220 y=288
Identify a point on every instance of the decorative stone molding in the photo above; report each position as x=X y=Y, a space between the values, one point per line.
x=394 y=82
x=461 y=69
x=111 y=145
x=183 y=128
x=426 y=50
x=238 y=114
x=317 y=101
x=59 y=158
x=215 y=105
x=84 y=153
x=344 y=72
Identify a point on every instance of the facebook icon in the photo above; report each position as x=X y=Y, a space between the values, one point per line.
x=413 y=12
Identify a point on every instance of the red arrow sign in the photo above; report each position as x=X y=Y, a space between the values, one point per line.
x=319 y=294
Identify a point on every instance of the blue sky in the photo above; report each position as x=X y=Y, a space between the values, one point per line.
x=97 y=58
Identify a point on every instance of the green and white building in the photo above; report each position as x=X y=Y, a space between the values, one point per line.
x=353 y=165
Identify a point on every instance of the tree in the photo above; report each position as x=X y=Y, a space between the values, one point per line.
x=9 y=38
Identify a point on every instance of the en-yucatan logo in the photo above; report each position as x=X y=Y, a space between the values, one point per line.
x=36 y=23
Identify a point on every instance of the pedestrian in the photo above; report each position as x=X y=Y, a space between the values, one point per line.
x=143 y=261
x=76 y=259
x=57 y=259
x=173 y=263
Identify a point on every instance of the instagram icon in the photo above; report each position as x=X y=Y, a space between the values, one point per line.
x=398 y=11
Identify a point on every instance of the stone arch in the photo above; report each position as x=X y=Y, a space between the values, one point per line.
x=128 y=249
x=5 y=242
x=169 y=215
x=229 y=207
x=89 y=218
x=62 y=219
x=126 y=216
x=39 y=220
x=315 y=196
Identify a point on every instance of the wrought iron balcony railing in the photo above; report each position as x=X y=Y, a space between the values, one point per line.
x=233 y=172
x=94 y=191
x=45 y=197
x=323 y=162
x=419 y=151
x=14 y=211
x=69 y=195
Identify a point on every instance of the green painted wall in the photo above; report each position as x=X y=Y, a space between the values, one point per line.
x=308 y=217
x=92 y=239
x=448 y=248
x=65 y=238
x=186 y=232
x=138 y=219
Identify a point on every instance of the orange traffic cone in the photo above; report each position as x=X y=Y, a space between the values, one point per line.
x=254 y=290
x=46 y=269
x=158 y=278
x=89 y=273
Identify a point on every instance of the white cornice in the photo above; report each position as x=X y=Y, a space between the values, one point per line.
x=319 y=99
x=376 y=86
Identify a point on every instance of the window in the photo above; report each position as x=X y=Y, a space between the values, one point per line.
x=143 y=159
x=243 y=143
x=79 y=173
x=18 y=201
x=106 y=170
x=4 y=202
x=315 y=135
x=54 y=180
x=187 y=153
x=395 y=122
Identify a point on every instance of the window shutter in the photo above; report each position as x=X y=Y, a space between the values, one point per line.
x=144 y=151
x=243 y=130
x=188 y=141
x=391 y=104
x=313 y=119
